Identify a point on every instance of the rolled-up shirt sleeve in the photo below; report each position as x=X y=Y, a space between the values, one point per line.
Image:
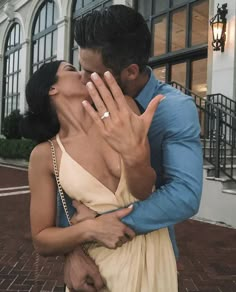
x=177 y=125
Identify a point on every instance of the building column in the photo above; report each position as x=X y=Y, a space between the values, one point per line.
x=63 y=39
x=222 y=68
x=1 y=89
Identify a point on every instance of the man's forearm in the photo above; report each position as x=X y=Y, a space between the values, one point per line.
x=162 y=210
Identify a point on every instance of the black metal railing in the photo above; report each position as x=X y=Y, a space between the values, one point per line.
x=223 y=102
x=218 y=133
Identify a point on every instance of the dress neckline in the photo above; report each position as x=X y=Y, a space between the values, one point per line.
x=64 y=152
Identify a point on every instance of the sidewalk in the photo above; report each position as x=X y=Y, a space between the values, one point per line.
x=207 y=252
x=208 y=256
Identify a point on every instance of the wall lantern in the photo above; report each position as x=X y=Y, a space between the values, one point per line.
x=218 y=25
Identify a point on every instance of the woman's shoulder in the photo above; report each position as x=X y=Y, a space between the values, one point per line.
x=41 y=154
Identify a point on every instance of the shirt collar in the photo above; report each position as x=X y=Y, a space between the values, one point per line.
x=149 y=90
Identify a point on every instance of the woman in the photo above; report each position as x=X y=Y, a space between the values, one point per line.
x=93 y=170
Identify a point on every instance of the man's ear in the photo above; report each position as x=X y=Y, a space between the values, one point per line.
x=52 y=91
x=131 y=72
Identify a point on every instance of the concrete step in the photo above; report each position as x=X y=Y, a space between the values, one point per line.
x=229 y=191
x=228 y=151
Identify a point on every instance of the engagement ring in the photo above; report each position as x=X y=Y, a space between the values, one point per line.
x=105 y=115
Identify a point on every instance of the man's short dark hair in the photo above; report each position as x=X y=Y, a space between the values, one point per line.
x=119 y=33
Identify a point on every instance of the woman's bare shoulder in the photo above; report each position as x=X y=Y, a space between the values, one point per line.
x=41 y=154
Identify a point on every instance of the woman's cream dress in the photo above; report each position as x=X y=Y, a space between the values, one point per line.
x=145 y=264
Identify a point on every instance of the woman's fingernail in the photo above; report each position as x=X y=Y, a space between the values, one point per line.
x=89 y=85
x=84 y=102
x=107 y=74
x=130 y=206
x=94 y=76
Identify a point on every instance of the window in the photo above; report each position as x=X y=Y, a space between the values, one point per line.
x=80 y=8
x=160 y=73
x=44 y=38
x=160 y=27
x=199 y=23
x=178 y=73
x=11 y=94
x=179 y=31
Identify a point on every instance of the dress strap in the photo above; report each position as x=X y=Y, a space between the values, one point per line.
x=59 y=143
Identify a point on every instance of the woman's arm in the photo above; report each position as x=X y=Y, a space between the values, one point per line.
x=47 y=238
x=51 y=240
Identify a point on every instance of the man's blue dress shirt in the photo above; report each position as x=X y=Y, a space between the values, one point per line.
x=176 y=156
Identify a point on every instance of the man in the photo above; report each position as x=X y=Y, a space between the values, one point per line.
x=117 y=39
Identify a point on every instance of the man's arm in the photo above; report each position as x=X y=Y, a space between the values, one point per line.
x=81 y=273
x=179 y=197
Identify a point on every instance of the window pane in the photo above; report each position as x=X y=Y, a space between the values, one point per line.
x=12 y=38
x=160 y=5
x=42 y=18
x=145 y=8
x=55 y=14
x=16 y=60
x=200 y=23
x=178 y=2
x=78 y=4
x=86 y=2
x=48 y=45
x=178 y=32
x=7 y=86
x=75 y=58
x=10 y=85
x=17 y=38
x=14 y=104
x=36 y=29
x=160 y=73
x=54 y=43
x=49 y=14
x=11 y=64
x=35 y=57
x=199 y=77
x=159 y=41
x=178 y=73
x=15 y=84
x=109 y=3
x=41 y=49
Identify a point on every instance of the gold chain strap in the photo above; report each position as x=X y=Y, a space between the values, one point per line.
x=54 y=160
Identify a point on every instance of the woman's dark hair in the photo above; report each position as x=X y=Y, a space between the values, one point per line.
x=40 y=122
x=119 y=33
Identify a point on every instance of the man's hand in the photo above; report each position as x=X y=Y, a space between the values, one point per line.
x=110 y=231
x=81 y=273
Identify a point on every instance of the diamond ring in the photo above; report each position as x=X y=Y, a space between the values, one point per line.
x=105 y=115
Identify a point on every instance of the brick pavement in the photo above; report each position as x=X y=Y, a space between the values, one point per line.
x=208 y=253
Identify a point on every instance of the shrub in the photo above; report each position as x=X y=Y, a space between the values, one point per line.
x=11 y=125
x=16 y=148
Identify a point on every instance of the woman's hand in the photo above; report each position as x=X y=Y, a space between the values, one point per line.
x=82 y=212
x=124 y=130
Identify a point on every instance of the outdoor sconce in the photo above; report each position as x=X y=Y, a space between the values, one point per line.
x=218 y=25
